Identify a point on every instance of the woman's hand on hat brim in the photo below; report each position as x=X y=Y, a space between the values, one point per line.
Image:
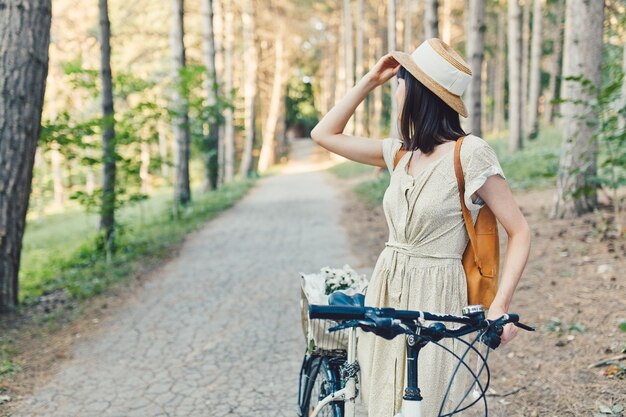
x=383 y=70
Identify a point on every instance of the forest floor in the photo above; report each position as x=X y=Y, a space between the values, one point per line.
x=573 y=291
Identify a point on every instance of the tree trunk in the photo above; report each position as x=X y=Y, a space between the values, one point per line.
x=268 y=149
x=348 y=57
x=446 y=23
x=621 y=119
x=107 y=209
x=250 y=71
x=500 y=74
x=584 y=26
x=555 y=62
x=525 y=56
x=229 y=122
x=180 y=120
x=144 y=169
x=431 y=19
x=409 y=9
x=476 y=53
x=57 y=175
x=165 y=166
x=218 y=20
x=211 y=140
x=23 y=70
x=535 y=72
x=515 y=63
x=391 y=45
x=360 y=110
x=376 y=105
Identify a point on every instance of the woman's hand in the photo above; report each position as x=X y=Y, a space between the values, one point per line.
x=383 y=70
x=510 y=330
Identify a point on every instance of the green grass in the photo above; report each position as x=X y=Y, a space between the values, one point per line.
x=535 y=166
x=60 y=250
x=350 y=169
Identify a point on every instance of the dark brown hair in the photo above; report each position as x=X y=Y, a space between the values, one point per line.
x=425 y=120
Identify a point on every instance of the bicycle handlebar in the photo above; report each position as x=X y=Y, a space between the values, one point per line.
x=359 y=313
x=386 y=321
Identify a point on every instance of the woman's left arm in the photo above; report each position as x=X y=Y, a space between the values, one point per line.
x=495 y=192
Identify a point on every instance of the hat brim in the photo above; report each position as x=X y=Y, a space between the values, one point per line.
x=450 y=99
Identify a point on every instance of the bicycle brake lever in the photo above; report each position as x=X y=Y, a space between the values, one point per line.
x=524 y=326
x=344 y=325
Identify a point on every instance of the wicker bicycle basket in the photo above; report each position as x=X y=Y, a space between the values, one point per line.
x=315 y=331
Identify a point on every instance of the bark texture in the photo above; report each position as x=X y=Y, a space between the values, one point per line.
x=476 y=52
x=208 y=52
x=24 y=40
x=107 y=208
x=180 y=121
x=584 y=25
x=515 y=76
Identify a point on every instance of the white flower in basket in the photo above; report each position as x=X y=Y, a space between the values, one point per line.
x=315 y=289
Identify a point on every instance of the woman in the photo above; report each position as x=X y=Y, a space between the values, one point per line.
x=420 y=266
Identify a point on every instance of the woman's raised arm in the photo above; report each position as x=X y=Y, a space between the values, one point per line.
x=328 y=133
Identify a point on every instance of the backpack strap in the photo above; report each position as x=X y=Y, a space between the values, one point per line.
x=397 y=158
x=467 y=217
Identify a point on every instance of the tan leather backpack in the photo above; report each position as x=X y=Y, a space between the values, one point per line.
x=481 y=259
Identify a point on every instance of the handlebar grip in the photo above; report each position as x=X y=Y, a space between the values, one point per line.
x=336 y=312
x=513 y=318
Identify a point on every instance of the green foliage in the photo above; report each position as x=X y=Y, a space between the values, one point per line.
x=372 y=191
x=535 y=165
x=84 y=271
x=608 y=106
x=350 y=169
x=299 y=106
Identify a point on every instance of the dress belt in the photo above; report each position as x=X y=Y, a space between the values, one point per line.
x=411 y=250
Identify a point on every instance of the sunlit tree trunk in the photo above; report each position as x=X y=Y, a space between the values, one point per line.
x=180 y=120
x=391 y=45
x=525 y=72
x=211 y=139
x=476 y=53
x=409 y=9
x=218 y=26
x=584 y=25
x=348 y=56
x=144 y=168
x=250 y=88
x=57 y=175
x=163 y=154
x=360 y=110
x=107 y=209
x=535 y=72
x=229 y=122
x=621 y=117
x=24 y=39
x=555 y=62
x=431 y=19
x=500 y=72
x=376 y=106
x=446 y=21
x=514 y=65
x=268 y=149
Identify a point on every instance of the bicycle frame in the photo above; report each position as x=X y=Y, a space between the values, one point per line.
x=348 y=392
x=412 y=406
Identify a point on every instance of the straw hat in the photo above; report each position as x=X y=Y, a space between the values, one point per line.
x=441 y=69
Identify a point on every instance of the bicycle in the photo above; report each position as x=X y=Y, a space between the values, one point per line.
x=328 y=378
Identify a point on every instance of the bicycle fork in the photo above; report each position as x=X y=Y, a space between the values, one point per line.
x=412 y=406
x=348 y=392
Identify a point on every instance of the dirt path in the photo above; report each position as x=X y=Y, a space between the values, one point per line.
x=216 y=331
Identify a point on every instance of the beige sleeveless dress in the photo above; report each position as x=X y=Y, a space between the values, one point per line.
x=420 y=269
